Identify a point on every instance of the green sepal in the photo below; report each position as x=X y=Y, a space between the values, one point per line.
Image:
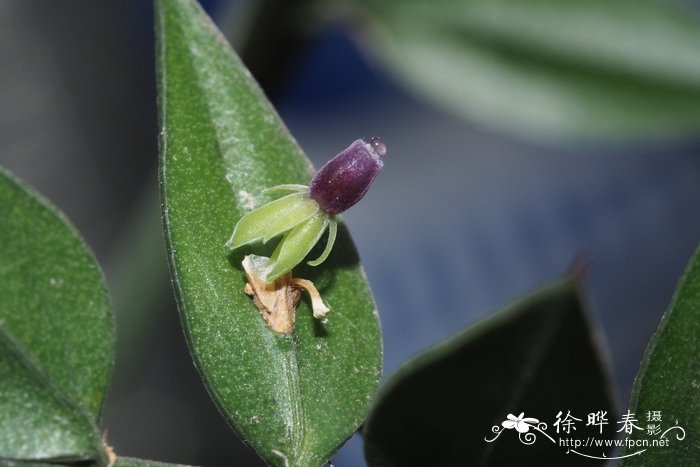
x=296 y=244
x=272 y=219
x=291 y=187
x=332 y=232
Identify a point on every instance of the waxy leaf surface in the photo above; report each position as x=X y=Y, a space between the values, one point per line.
x=294 y=398
x=668 y=382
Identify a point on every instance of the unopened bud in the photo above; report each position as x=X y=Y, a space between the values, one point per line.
x=345 y=179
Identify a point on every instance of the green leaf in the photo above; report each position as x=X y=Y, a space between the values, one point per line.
x=56 y=333
x=669 y=380
x=604 y=68
x=538 y=356
x=296 y=397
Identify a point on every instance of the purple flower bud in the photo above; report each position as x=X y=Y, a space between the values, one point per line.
x=345 y=179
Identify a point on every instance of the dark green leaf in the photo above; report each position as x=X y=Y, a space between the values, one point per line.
x=292 y=397
x=610 y=68
x=669 y=381
x=56 y=333
x=538 y=357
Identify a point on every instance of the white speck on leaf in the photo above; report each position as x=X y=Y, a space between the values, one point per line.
x=246 y=199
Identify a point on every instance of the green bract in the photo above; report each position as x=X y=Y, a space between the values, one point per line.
x=298 y=217
x=273 y=219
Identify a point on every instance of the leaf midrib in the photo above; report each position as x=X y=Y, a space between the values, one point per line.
x=528 y=371
x=295 y=417
x=66 y=400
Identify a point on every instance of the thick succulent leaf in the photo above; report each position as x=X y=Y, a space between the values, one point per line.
x=56 y=329
x=669 y=381
x=538 y=356
x=550 y=68
x=297 y=244
x=273 y=219
x=293 y=398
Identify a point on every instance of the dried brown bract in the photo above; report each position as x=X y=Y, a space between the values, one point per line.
x=277 y=300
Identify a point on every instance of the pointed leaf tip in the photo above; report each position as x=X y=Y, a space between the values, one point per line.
x=512 y=362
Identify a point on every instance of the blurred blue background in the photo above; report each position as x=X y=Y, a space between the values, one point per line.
x=462 y=220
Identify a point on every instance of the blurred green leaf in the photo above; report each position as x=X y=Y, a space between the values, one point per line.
x=139 y=286
x=669 y=380
x=56 y=333
x=295 y=397
x=610 y=68
x=539 y=356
